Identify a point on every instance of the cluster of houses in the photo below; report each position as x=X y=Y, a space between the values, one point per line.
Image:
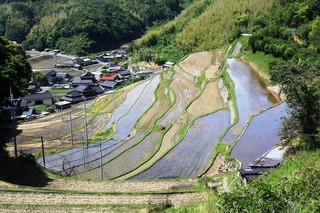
x=85 y=87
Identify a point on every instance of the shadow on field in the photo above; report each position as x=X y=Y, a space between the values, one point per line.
x=22 y=171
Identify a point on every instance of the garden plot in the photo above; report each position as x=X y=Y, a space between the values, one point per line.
x=128 y=160
x=260 y=136
x=193 y=154
x=141 y=105
x=51 y=130
x=209 y=101
x=185 y=93
x=195 y=63
x=251 y=93
x=132 y=97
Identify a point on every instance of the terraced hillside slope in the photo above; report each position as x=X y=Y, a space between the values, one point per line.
x=63 y=195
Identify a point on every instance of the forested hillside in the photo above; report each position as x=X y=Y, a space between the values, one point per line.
x=80 y=27
x=291 y=32
x=205 y=25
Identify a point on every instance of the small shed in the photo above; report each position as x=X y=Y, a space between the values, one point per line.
x=168 y=64
x=63 y=105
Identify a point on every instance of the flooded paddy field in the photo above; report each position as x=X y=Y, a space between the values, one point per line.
x=251 y=93
x=84 y=158
x=126 y=123
x=124 y=108
x=260 y=136
x=193 y=154
x=160 y=106
x=127 y=160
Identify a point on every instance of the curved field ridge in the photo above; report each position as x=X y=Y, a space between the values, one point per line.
x=127 y=160
x=143 y=103
x=260 y=136
x=127 y=104
x=185 y=93
x=251 y=93
x=192 y=155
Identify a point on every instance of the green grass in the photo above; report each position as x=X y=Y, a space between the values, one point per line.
x=260 y=60
x=60 y=91
x=102 y=135
x=40 y=108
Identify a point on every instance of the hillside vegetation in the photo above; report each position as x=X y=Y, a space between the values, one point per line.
x=81 y=27
x=205 y=25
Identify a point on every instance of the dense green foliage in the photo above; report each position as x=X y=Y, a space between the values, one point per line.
x=301 y=84
x=298 y=71
x=294 y=187
x=81 y=27
x=204 y=25
x=15 y=71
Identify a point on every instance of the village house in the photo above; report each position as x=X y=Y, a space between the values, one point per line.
x=39 y=99
x=87 y=79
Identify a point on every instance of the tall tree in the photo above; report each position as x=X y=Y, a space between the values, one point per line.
x=15 y=71
x=301 y=84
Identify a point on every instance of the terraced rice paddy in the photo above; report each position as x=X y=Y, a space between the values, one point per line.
x=128 y=160
x=127 y=104
x=84 y=158
x=209 y=101
x=260 y=136
x=185 y=92
x=164 y=101
x=170 y=101
x=141 y=105
x=192 y=155
x=251 y=96
x=194 y=66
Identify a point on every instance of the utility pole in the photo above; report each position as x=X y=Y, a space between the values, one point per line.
x=43 y=157
x=101 y=166
x=71 y=129
x=85 y=120
x=13 y=116
x=114 y=107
